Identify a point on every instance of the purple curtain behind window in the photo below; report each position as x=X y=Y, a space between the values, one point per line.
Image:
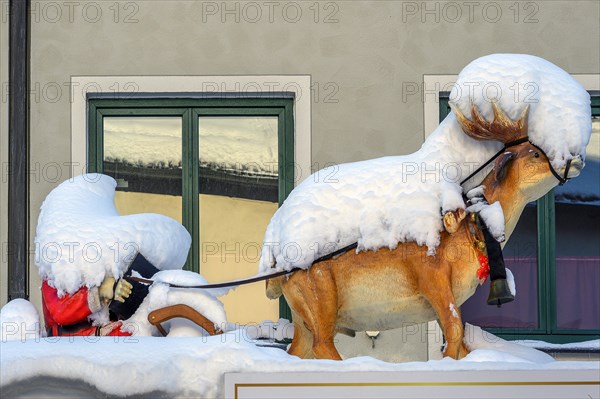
x=521 y=313
x=577 y=293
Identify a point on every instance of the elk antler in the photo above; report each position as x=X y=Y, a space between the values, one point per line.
x=502 y=128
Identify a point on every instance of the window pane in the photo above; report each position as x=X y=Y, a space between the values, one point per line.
x=578 y=244
x=144 y=155
x=520 y=256
x=238 y=183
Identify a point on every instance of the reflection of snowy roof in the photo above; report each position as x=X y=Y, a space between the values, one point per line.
x=232 y=144
x=585 y=189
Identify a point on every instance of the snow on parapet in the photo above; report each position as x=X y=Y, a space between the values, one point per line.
x=19 y=320
x=80 y=236
x=381 y=202
x=192 y=367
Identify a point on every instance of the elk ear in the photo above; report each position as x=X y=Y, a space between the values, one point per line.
x=502 y=163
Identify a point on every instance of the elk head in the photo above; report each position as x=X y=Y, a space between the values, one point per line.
x=522 y=173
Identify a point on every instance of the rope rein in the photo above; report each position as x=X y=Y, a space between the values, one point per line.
x=250 y=280
x=496 y=155
x=562 y=180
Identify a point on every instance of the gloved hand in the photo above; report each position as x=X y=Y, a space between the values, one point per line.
x=108 y=290
x=123 y=290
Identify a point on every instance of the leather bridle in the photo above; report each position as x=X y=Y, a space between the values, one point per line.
x=561 y=179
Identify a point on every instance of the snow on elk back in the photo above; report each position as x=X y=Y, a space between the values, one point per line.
x=80 y=236
x=381 y=202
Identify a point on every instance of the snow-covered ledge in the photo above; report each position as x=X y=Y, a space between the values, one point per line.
x=180 y=86
x=235 y=365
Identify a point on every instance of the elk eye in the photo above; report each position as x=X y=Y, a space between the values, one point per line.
x=537 y=155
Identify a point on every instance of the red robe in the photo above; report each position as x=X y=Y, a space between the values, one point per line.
x=68 y=315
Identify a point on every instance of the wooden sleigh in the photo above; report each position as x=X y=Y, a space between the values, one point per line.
x=162 y=315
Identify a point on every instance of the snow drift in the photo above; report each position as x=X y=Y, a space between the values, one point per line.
x=382 y=202
x=81 y=238
x=19 y=320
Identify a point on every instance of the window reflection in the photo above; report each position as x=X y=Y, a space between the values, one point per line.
x=238 y=184
x=144 y=155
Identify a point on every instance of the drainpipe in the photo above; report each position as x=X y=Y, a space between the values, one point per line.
x=18 y=140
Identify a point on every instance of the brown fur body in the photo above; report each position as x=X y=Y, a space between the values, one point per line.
x=382 y=290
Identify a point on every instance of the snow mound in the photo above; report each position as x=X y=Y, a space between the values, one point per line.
x=19 y=320
x=280 y=330
x=80 y=236
x=593 y=345
x=161 y=295
x=487 y=347
x=375 y=203
x=560 y=119
x=381 y=202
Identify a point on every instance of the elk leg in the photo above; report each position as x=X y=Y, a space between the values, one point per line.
x=313 y=296
x=324 y=298
x=442 y=300
x=302 y=342
x=323 y=343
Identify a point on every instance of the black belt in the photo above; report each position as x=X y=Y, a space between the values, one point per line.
x=69 y=329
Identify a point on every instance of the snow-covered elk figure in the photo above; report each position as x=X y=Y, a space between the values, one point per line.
x=425 y=224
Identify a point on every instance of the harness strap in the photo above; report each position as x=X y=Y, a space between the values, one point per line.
x=506 y=146
x=219 y=285
x=251 y=279
x=561 y=179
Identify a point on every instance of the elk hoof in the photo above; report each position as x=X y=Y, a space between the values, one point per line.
x=452 y=220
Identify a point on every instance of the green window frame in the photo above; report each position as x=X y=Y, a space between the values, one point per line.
x=546 y=255
x=189 y=110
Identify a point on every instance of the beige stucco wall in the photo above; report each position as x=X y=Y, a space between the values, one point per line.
x=365 y=58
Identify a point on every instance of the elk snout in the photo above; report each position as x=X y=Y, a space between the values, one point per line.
x=577 y=165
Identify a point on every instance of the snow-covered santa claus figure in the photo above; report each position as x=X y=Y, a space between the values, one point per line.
x=68 y=315
x=85 y=252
